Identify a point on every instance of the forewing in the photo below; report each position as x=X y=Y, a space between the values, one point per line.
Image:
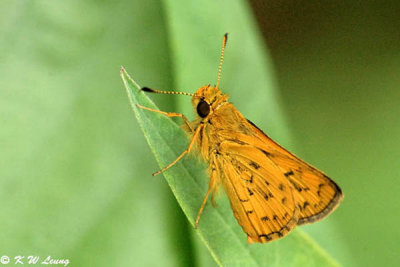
x=261 y=197
x=316 y=194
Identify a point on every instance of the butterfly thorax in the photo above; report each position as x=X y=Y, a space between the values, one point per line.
x=217 y=118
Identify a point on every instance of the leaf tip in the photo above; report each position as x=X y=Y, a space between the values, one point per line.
x=122 y=73
x=126 y=78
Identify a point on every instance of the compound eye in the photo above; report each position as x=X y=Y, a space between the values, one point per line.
x=203 y=108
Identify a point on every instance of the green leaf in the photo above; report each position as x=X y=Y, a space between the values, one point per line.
x=218 y=229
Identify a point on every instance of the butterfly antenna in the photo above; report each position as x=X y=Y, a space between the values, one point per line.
x=224 y=40
x=146 y=89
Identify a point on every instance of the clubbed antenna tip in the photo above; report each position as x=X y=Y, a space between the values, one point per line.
x=147 y=89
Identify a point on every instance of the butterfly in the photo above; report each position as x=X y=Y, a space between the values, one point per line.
x=270 y=190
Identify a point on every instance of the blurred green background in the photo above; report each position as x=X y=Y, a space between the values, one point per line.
x=75 y=170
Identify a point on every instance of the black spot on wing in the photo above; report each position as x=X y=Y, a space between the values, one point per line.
x=254 y=165
x=265 y=152
x=281 y=187
x=319 y=189
x=250 y=192
x=265 y=218
x=289 y=173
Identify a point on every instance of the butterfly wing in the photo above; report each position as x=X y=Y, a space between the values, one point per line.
x=270 y=189
x=261 y=197
x=315 y=193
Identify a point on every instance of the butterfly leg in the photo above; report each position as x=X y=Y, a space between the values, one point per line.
x=214 y=186
x=183 y=153
x=211 y=188
x=213 y=199
x=169 y=114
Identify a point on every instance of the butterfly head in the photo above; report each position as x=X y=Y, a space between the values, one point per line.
x=207 y=99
